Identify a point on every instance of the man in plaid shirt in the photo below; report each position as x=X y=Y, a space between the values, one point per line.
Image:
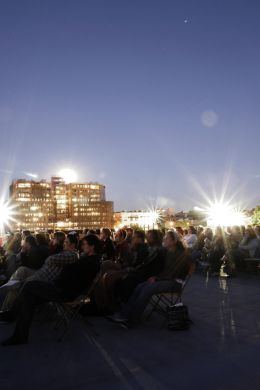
x=42 y=283
x=50 y=270
x=53 y=265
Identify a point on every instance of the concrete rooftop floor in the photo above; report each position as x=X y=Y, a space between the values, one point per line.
x=220 y=351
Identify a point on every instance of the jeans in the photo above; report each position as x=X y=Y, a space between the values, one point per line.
x=22 y=273
x=32 y=294
x=142 y=294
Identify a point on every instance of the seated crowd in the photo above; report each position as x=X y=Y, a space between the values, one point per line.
x=225 y=252
x=131 y=268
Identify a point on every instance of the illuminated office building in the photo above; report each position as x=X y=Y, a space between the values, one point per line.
x=34 y=206
x=57 y=205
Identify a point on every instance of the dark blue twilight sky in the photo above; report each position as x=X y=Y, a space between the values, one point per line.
x=157 y=99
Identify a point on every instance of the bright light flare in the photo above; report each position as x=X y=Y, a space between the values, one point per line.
x=68 y=175
x=223 y=214
x=6 y=215
x=154 y=217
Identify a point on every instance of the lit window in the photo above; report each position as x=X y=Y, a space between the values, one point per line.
x=24 y=185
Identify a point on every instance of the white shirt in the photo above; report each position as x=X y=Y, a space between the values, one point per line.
x=190 y=240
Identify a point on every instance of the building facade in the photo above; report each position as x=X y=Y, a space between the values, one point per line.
x=145 y=219
x=57 y=205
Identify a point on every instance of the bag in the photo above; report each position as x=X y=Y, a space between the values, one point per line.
x=178 y=317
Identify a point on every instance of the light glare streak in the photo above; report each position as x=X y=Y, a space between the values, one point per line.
x=32 y=175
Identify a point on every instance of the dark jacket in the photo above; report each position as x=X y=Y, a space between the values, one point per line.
x=108 y=249
x=44 y=252
x=153 y=264
x=122 y=252
x=177 y=265
x=78 y=277
x=140 y=253
x=137 y=256
x=32 y=258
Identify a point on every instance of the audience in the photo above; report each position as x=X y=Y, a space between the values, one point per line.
x=132 y=268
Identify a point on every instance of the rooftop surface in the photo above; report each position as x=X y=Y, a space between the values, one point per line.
x=219 y=351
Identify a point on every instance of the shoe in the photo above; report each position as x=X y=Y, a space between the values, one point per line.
x=223 y=275
x=6 y=316
x=13 y=341
x=117 y=318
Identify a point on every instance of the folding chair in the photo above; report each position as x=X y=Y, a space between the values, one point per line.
x=160 y=302
x=69 y=311
x=253 y=263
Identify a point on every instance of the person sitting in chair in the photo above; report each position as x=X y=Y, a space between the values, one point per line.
x=176 y=268
x=70 y=283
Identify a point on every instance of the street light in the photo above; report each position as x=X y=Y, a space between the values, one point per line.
x=6 y=215
x=223 y=214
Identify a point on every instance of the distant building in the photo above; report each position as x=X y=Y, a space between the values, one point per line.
x=145 y=219
x=56 y=205
x=35 y=209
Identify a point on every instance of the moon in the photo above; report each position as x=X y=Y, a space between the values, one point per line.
x=209 y=118
x=68 y=175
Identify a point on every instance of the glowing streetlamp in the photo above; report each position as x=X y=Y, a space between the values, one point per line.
x=154 y=217
x=223 y=214
x=6 y=213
